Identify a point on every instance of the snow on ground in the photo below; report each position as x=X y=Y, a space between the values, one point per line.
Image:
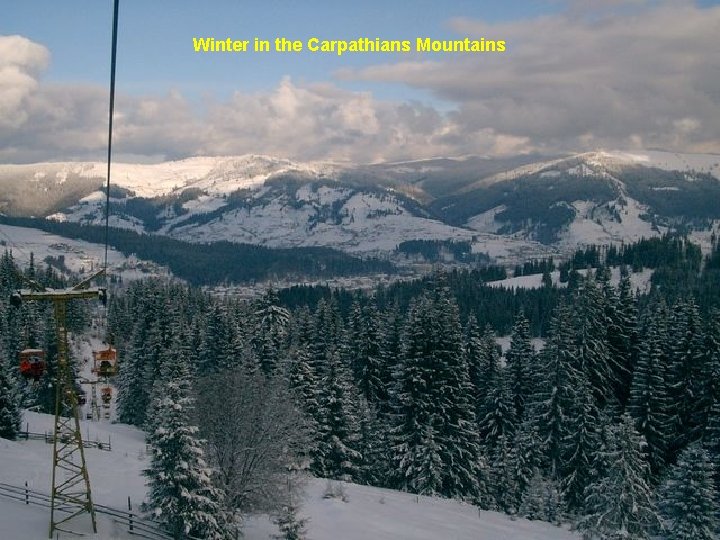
x=369 y=513
x=639 y=280
x=366 y=513
x=21 y=522
x=504 y=341
x=669 y=161
x=485 y=222
x=509 y=250
x=704 y=238
x=588 y=228
x=382 y=514
x=369 y=224
x=78 y=254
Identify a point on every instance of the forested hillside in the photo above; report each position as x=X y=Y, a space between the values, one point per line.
x=614 y=426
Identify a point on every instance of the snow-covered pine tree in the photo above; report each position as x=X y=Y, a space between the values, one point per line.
x=711 y=431
x=593 y=353
x=135 y=378
x=10 y=417
x=556 y=395
x=483 y=359
x=473 y=350
x=581 y=444
x=688 y=371
x=541 y=499
x=454 y=396
x=181 y=495
x=499 y=420
x=374 y=446
x=432 y=388
x=688 y=500
x=216 y=349
x=520 y=358
x=363 y=353
x=501 y=476
x=620 y=504
x=389 y=326
x=290 y=527
x=337 y=454
x=650 y=404
x=303 y=381
x=622 y=333
x=427 y=478
x=526 y=458
x=270 y=332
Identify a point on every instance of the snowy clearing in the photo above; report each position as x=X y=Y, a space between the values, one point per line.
x=369 y=513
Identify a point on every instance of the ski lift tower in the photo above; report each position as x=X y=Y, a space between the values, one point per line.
x=70 y=480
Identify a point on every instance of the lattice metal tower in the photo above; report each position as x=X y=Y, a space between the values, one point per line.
x=71 y=492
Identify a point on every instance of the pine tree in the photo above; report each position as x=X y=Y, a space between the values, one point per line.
x=363 y=354
x=290 y=527
x=135 y=379
x=270 y=332
x=432 y=388
x=593 y=354
x=389 y=326
x=10 y=416
x=688 y=500
x=337 y=452
x=711 y=431
x=711 y=440
x=182 y=496
x=525 y=459
x=650 y=404
x=216 y=348
x=541 y=500
x=500 y=420
x=622 y=333
x=520 y=358
x=556 y=394
x=620 y=504
x=688 y=374
x=427 y=478
x=581 y=444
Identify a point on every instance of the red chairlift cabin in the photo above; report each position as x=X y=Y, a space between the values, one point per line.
x=105 y=362
x=106 y=395
x=32 y=363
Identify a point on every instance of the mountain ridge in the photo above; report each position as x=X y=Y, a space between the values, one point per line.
x=560 y=201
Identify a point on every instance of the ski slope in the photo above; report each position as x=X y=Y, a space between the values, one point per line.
x=369 y=513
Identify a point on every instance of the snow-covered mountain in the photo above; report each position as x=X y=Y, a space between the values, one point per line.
x=525 y=204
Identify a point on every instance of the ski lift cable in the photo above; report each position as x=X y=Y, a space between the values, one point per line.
x=113 y=62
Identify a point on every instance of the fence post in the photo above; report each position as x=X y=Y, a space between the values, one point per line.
x=130 y=516
x=27 y=494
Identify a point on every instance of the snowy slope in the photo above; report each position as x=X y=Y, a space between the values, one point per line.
x=78 y=255
x=222 y=174
x=276 y=202
x=366 y=513
x=667 y=161
x=639 y=281
x=369 y=514
x=354 y=221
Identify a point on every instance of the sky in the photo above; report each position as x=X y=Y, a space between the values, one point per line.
x=577 y=75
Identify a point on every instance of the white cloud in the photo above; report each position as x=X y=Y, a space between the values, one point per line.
x=20 y=61
x=568 y=82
